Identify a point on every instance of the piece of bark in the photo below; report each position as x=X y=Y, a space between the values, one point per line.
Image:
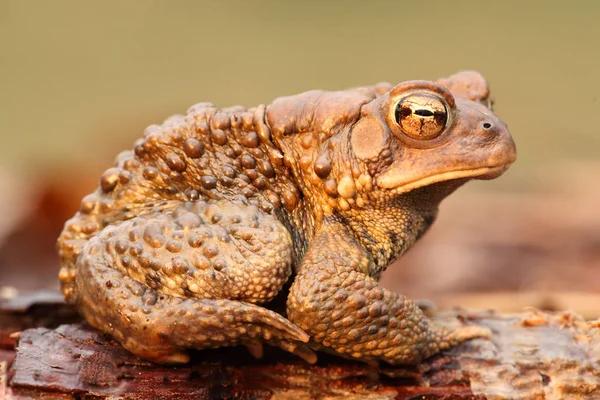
x=532 y=355
x=32 y=310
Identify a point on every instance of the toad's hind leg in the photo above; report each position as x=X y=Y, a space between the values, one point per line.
x=188 y=278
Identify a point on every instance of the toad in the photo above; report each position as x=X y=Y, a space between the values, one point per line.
x=191 y=235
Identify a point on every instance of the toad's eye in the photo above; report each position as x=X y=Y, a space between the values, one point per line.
x=421 y=116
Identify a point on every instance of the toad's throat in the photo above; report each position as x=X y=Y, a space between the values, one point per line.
x=402 y=183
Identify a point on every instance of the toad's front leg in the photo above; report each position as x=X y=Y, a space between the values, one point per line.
x=334 y=299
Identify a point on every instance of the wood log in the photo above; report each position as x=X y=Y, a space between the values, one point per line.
x=531 y=355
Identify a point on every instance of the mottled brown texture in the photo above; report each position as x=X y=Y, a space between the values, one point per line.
x=212 y=213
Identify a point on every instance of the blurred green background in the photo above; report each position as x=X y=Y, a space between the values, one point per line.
x=80 y=79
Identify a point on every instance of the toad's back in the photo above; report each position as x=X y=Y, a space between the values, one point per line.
x=207 y=155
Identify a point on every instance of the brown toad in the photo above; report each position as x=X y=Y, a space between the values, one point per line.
x=210 y=215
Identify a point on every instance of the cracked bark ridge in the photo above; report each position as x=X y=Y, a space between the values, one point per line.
x=532 y=355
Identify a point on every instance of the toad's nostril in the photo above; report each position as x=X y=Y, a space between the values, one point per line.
x=486 y=125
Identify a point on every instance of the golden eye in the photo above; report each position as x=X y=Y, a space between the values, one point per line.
x=421 y=116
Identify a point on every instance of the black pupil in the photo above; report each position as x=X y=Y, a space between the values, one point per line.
x=424 y=113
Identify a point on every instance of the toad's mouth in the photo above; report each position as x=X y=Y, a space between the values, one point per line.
x=401 y=184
